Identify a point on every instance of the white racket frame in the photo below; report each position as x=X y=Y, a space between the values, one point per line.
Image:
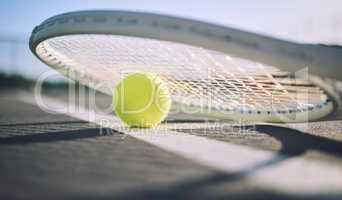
x=321 y=60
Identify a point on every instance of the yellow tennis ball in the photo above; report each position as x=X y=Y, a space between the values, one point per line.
x=142 y=100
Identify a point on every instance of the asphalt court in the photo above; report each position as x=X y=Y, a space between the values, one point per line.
x=61 y=156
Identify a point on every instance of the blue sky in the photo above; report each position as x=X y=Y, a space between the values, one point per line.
x=302 y=20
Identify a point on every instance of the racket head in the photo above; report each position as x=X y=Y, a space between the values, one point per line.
x=98 y=48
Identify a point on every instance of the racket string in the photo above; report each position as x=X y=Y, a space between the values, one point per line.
x=195 y=76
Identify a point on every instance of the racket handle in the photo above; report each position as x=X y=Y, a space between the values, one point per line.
x=321 y=60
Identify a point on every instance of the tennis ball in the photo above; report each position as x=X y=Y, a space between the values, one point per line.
x=142 y=100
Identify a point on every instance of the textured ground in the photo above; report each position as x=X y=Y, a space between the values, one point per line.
x=53 y=156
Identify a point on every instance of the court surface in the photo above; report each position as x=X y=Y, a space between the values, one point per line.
x=55 y=155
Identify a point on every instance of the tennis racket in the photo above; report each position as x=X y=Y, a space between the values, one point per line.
x=211 y=70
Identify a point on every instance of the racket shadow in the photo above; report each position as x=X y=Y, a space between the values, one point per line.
x=295 y=142
x=56 y=136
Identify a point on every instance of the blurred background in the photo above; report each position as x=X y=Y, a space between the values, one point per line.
x=308 y=21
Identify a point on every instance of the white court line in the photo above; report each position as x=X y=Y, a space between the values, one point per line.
x=295 y=175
